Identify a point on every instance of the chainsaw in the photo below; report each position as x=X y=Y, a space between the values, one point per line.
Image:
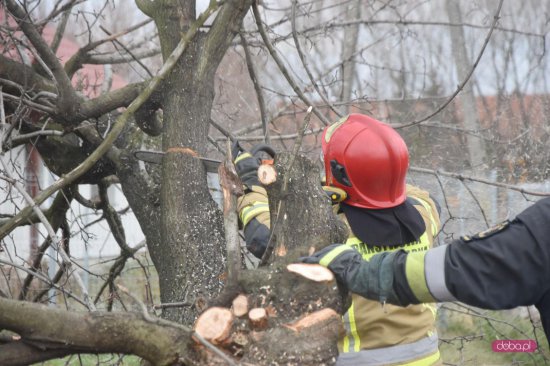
x=336 y=195
x=211 y=165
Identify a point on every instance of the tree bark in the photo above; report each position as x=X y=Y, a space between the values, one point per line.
x=51 y=332
x=190 y=257
x=300 y=200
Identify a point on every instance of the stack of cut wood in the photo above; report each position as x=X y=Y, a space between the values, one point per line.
x=252 y=323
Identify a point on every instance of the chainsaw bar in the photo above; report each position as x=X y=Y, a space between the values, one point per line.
x=155 y=157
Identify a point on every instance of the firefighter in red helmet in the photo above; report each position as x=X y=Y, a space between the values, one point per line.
x=366 y=160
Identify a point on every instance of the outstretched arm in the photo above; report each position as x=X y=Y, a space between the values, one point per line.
x=501 y=268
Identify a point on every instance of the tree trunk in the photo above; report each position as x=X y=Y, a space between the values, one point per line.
x=349 y=47
x=190 y=256
x=476 y=150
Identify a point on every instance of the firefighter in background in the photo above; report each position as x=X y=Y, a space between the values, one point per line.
x=501 y=268
x=366 y=161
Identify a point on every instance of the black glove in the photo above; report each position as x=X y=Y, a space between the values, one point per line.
x=247 y=163
x=372 y=279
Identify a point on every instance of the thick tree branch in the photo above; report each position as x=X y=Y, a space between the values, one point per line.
x=219 y=37
x=67 y=103
x=51 y=329
x=23 y=75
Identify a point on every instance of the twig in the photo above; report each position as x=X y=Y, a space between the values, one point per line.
x=169 y=305
x=297 y=145
x=282 y=67
x=461 y=86
x=117 y=127
x=480 y=180
x=55 y=242
x=304 y=61
x=45 y=279
x=116 y=41
x=257 y=87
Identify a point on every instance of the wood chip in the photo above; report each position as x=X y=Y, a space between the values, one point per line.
x=314 y=272
x=312 y=319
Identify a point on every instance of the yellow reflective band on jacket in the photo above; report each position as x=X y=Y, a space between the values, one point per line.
x=426 y=361
x=329 y=257
x=250 y=212
x=350 y=314
x=352 y=340
x=242 y=156
x=416 y=276
x=367 y=252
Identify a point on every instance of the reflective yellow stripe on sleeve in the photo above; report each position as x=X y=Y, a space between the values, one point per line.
x=250 y=212
x=416 y=276
x=242 y=156
x=329 y=257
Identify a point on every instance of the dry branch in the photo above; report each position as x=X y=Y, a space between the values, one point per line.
x=313 y=319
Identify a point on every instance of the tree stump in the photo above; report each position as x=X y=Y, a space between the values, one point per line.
x=295 y=311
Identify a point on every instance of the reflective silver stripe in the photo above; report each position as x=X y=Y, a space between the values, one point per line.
x=434 y=268
x=390 y=355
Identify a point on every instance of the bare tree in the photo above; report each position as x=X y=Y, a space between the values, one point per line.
x=189 y=86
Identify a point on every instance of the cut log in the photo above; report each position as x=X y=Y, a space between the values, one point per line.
x=240 y=305
x=314 y=272
x=215 y=324
x=267 y=174
x=258 y=318
x=313 y=319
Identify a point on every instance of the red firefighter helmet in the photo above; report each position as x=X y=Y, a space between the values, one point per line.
x=368 y=159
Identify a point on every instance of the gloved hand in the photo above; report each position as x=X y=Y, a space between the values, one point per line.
x=246 y=165
x=372 y=279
